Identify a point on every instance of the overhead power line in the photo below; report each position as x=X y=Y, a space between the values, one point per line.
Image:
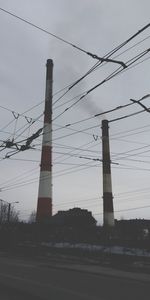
x=83 y=93
x=127 y=209
x=144 y=97
x=132 y=150
x=17 y=177
x=102 y=59
x=67 y=126
x=70 y=171
x=135 y=113
x=134 y=160
x=116 y=72
x=76 y=82
x=103 y=113
x=127 y=116
x=95 y=68
x=35 y=180
x=127 y=50
x=61 y=146
x=106 y=57
x=133 y=191
x=76 y=132
x=109 y=77
x=141 y=104
x=128 y=131
x=78 y=151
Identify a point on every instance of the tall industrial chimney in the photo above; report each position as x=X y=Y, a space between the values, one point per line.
x=44 y=206
x=108 y=211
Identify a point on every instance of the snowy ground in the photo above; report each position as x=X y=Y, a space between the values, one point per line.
x=101 y=248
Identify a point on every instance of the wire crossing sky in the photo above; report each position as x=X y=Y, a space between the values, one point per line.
x=101 y=61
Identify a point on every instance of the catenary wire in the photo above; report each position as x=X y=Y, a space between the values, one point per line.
x=109 y=77
x=103 y=113
x=126 y=209
x=74 y=171
x=67 y=109
x=101 y=65
x=68 y=42
x=110 y=54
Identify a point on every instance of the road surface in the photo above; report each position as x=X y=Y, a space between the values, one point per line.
x=22 y=279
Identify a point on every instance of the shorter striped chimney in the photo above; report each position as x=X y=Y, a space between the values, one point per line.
x=108 y=211
x=44 y=206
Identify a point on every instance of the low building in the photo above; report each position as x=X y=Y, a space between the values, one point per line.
x=75 y=217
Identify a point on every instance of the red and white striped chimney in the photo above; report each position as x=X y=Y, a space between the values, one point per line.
x=108 y=211
x=44 y=206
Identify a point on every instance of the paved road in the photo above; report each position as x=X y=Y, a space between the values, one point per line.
x=13 y=294
x=22 y=279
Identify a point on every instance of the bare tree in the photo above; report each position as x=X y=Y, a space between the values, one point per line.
x=6 y=215
x=32 y=217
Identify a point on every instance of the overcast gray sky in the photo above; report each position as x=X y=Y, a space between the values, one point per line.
x=96 y=26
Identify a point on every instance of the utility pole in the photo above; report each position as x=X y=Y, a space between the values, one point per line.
x=8 y=213
x=44 y=206
x=9 y=209
x=1 y=211
x=108 y=211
